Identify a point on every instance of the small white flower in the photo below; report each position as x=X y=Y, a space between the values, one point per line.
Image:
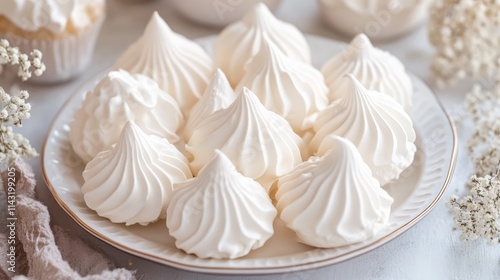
x=23 y=57
x=21 y=115
x=36 y=54
x=15 y=100
x=14 y=59
x=476 y=215
x=12 y=145
x=39 y=72
x=464 y=34
x=4 y=43
x=26 y=64
x=14 y=110
x=5 y=99
x=11 y=107
x=23 y=94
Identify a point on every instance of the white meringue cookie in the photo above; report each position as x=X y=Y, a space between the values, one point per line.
x=381 y=19
x=220 y=214
x=82 y=14
x=240 y=41
x=117 y=98
x=28 y=14
x=132 y=182
x=164 y=119
x=218 y=95
x=334 y=200
x=376 y=124
x=292 y=89
x=260 y=143
x=376 y=69
x=51 y=15
x=181 y=67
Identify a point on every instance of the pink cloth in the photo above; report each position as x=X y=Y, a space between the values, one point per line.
x=43 y=253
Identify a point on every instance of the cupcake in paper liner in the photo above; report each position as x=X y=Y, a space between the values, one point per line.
x=65 y=31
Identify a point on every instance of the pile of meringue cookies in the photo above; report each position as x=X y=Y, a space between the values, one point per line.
x=165 y=136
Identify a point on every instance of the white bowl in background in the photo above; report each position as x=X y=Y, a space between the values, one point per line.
x=218 y=13
x=379 y=19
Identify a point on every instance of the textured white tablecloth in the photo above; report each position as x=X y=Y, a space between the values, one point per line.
x=429 y=250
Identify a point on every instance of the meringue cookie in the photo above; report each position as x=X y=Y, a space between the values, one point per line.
x=292 y=89
x=376 y=69
x=117 y=98
x=132 y=182
x=334 y=200
x=52 y=15
x=165 y=119
x=26 y=14
x=218 y=95
x=220 y=214
x=84 y=11
x=240 y=41
x=381 y=19
x=181 y=67
x=260 y=143
x=376 y=124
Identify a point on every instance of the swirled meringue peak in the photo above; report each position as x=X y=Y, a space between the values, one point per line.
x=293 y=89
x=132 y=182
x=181 y=67
x=34 y=15
x=376 y=69
x=165 y=119
x=260 y=143
x=56 y=16
x=334 y=200
x=376 y=124
x=218 y=95
x=220 y=214
x=116 y=99
x=240 y=41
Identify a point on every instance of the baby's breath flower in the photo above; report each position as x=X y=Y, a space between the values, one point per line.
x=14 y=110
x=23 y=94
x=36 y=54
x=27 y=63
x=39 y=72
x=5 y=98
x=12 y=107
x=478 y=215
x=4 y=43
x=25 y=107
x=16 y=100
x=465 y=35
x=37 y=62
x=483 y=108
x=22 y=116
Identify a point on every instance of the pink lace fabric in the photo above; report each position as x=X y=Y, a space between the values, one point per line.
x=43 y=252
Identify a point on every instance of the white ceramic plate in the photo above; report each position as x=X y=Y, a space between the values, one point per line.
x=415 y=194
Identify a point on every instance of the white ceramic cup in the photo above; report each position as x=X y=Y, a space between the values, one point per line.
x=218 y=12
x=379 y=19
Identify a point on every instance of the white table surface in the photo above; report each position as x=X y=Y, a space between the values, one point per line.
x=429 y=250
